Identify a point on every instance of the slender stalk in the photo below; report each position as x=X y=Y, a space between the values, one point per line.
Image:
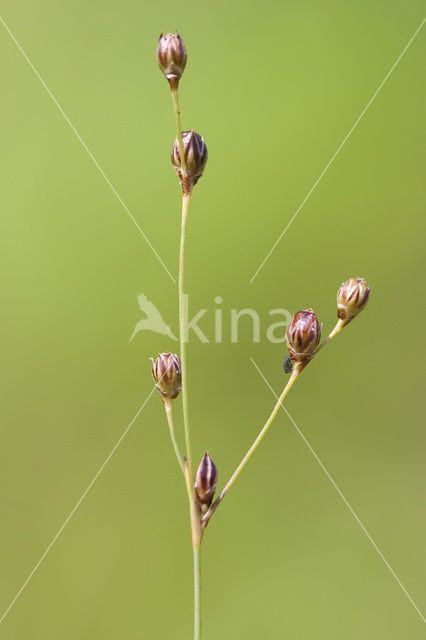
x=194 y=511
x=195 y=524
x=169 y=414
x=340 y=324
x=175 y=98
x=295 y=374
x=183 y=330
x=197 y=593
x=205 y=520
x=182 y=318
x=197 y=535
x=196 y=530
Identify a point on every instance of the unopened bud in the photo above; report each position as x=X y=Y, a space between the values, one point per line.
x=303 y=336
x=351 y=299
x=171 y=57
x=205 y=482
x=167 y=374
x=195 y=153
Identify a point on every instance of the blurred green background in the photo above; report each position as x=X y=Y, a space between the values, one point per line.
x=273 y=87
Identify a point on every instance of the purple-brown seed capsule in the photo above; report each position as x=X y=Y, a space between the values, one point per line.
x=171 y=57
x=167 y=374
x=195 y=152
x=303 y=336
x=351 y=299
x=205 y=482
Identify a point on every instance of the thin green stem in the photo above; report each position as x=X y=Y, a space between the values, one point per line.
x=340 y=324
x=197 y=593
x=175 y=98
x=261 y=435
x=183 y=337
x=197 y=535
x=169 y=414
x=183 y=330
x=194 y=511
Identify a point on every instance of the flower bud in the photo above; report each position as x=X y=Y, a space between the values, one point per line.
x=171 y=57
x=195 y=153
x=205 y=482
x=167 y=374
x=351 y=299
x=303 y=336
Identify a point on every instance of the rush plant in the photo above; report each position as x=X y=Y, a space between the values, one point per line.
x=303 y=335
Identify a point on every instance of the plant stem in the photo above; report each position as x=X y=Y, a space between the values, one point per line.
x=197 y=593
x=194 y=512
x=340 y=324
x=175 y=98
x=295 y=374
x=183 y=330
x=196 y=530
x=262 y=433
x=195 y=523
x=197 y=535
x=169 y=414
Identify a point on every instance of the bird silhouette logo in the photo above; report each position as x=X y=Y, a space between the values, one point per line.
x=153 y=320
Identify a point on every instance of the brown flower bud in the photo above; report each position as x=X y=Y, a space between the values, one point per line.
x=205 y=482
x=167 y=373
x=351 y=299
x=171 y=57
x=303 y=336
x=195 y=153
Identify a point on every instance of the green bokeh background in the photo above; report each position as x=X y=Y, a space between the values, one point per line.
x=274 y=88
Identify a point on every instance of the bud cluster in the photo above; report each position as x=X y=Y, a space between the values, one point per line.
x=171 y=58
x=167 y=374
x=195 y=155
x=303 y=334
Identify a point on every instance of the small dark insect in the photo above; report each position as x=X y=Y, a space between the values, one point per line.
x=288 y=365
